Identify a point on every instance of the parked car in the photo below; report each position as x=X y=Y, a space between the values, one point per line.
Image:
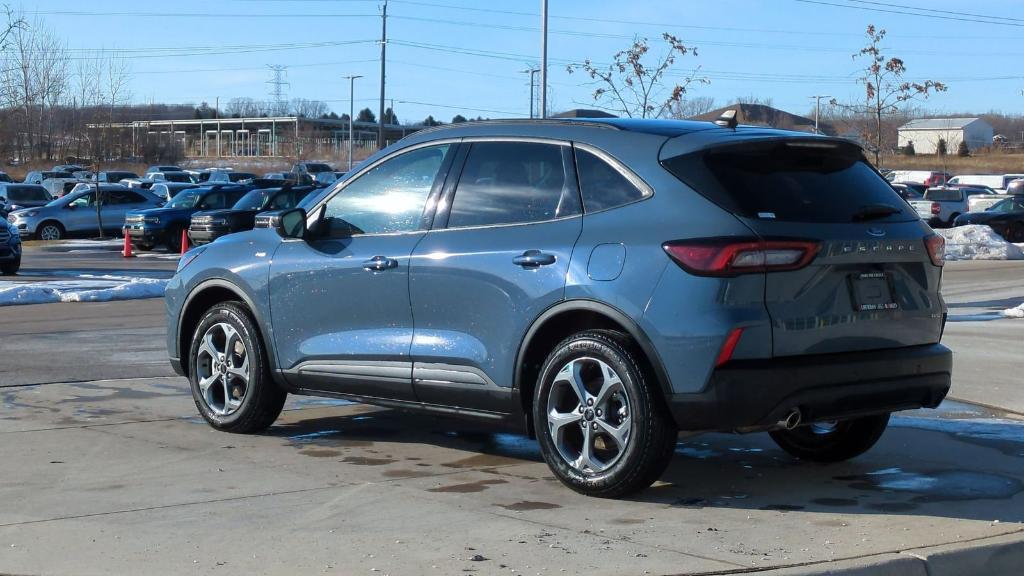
x=926 y=177
x=76 y=213
x=311 y=169
x=207 y=226
x=72 y=168
x=5 y=178
x=909 y=190
x=164 y=225
x=10 y=249
x=941 y=205
x=37 y=177
x=201 y=176
x=1005 y=218
x=981 y=197
x=115 y=176
x=279 y=176
x=184 y=177
x=18 y=196
x=58 y=187
x=602 y=284
x=164 y=168
x=1007 y=178
x=168 y=190
x=225 y=177
x=994 y=181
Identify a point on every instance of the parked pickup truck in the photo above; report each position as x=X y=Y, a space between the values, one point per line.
x=209 y=225
x=941 y=205
x=164 y=225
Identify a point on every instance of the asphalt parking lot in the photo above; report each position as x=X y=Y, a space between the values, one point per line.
x=108 y=469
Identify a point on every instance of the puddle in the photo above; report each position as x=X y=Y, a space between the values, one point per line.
x=482 y=461
x=782 y=507
x=939 y=486
x=367 y=461
x=835 y=502
x=1001 y=434
x=684 y=449
x=982 y=317
x=528 y=505
x=320 y=452
x=478 y=486
x=406 y=473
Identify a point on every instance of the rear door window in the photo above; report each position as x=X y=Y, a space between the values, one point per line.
x=513 y=183
x=602 y=185
x=944 y=195
x=792 y=181
x=28 y=194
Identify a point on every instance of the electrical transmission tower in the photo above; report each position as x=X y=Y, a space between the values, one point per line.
x=278 y=83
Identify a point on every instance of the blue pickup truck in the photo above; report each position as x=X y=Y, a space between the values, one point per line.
x=164 y=225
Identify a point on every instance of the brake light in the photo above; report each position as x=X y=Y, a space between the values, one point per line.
x=729 y=346
x=725 y=257
x=936 y=208
x=936 y=246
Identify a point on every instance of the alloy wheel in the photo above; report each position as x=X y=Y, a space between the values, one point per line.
x=222 y=369
x=589 y=415
x=50 y=232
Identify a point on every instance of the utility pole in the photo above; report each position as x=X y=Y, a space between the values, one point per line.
x=543 y=58
x=532 y=72
x=351 y=112
x=817 y=110
x=383 y=61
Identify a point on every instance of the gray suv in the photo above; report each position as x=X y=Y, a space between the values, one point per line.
x=601 y=284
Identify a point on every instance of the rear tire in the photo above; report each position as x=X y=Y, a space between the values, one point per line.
x=229 y=374
x=602 y=427
x=952 y=220
x=173 y=240
x=835 y=443
x=11 y=268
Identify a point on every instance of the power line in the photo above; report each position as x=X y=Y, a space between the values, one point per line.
x=232 y=15
x=918 y=14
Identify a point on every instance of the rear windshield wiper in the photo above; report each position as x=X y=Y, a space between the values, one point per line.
x=874 y=212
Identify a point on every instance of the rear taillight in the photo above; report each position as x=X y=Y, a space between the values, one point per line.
x=936 y=208
x=731 y=257
x=936 y=246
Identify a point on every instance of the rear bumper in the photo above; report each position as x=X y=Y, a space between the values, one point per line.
x=756 y=394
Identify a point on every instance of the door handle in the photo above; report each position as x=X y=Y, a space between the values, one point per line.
x=533 y=259
x=380 y=263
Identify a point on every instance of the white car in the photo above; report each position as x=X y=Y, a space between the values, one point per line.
x=941 y=205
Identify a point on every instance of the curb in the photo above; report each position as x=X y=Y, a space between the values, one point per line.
x=993 y=556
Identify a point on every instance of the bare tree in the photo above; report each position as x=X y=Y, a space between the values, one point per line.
x=690 y=107
x=885 y=90
x=631 y=87
x=309 y=108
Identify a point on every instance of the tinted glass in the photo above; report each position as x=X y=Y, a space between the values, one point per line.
x=389 y=198
x=27 y=194
x=213 y=200
x=123 y=197
x=185 y=199
x=602 y=185
x=254 y=200
x=512 y=182
x=789 y=181
x=944 y=195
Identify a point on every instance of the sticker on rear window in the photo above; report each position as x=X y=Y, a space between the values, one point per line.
x=766 y=215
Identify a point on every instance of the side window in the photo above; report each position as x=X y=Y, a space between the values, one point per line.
x=212 y=200
x=389 y=198
x=513 y=183
x=602 y=185
x=83 y=200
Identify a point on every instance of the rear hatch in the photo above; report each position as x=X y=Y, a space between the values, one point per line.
x=872 y=284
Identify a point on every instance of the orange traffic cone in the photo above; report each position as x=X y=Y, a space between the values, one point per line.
x=127 y=250
x=184 y=242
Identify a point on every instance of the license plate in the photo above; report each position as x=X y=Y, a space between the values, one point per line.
x=872 y=291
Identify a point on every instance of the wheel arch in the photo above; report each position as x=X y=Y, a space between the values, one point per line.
x=55 y=222
x=559 y=322
x=205 y=295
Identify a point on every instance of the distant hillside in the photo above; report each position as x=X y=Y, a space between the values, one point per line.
x=761 y=115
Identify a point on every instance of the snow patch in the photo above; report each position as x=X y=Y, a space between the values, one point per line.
x=1017 y=312
x=976 y=242
x=90 y=289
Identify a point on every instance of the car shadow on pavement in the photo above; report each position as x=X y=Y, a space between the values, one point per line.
x=966 y=469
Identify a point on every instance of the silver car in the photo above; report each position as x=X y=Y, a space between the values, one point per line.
x=76 y=213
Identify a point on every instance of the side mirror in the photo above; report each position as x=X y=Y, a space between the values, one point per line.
x=287 y=223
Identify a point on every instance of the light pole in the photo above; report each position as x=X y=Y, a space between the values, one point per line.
x=351 y=112
x=817 y=110
x=532 y=72
x=544 y=58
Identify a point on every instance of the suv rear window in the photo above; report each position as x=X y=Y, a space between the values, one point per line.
x=795 y=181
x=944 y=195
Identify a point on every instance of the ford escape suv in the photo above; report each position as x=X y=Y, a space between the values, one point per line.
x=603 y=284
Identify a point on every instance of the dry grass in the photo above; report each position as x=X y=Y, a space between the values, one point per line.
x=981 y=164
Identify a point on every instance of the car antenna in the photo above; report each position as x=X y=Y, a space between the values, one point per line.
x=727 y=119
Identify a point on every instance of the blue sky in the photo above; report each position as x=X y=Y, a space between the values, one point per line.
x=461 y=56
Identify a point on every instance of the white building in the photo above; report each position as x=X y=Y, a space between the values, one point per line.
x=926 y=133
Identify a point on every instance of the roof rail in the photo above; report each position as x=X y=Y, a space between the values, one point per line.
x=507 y=121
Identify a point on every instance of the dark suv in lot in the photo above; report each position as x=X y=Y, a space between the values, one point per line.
x=603 y=284
x=164 y=225
x=212 y=224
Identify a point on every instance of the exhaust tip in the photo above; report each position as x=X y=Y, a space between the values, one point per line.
x=792 y=420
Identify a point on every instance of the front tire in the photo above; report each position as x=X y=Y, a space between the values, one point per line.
x=11 y=268
x=50 y=231
x=228 y=372
x=602 y=428
x=832 y=442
